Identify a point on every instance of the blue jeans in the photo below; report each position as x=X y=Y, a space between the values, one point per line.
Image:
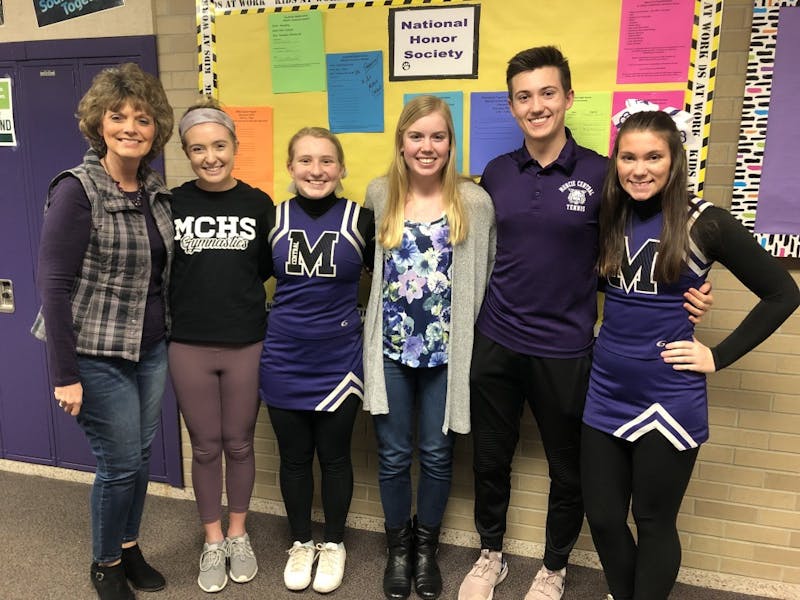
x=427 y=388
x=120 y=416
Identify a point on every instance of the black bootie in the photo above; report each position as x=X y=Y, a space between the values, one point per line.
x=141 y=575
x=427 y=577
x=110 y=582
x=399 y=563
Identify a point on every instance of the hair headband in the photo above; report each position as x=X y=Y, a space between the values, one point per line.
x=681 y=118
x=205 y=115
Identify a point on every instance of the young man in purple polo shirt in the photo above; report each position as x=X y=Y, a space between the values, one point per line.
x=535 y=331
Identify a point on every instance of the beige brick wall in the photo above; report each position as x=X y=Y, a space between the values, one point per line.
x=741 y=515
x=135 y=17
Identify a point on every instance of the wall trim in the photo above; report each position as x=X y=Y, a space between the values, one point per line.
x=583 y=558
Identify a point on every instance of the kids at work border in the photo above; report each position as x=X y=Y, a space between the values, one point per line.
x=208 y=9
x=700 y=86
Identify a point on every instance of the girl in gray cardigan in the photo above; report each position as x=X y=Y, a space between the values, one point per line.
x=435 y=247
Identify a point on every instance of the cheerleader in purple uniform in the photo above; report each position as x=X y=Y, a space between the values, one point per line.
x=646 y=409
x=311 y=366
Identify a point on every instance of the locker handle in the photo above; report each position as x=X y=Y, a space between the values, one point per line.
x=6 y=296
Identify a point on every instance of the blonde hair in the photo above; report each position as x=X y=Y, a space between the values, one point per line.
x=320 y=133
x=390 y=230
x=316 y=132
x=209 y=104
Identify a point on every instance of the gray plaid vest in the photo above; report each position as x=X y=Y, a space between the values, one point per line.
x=109 y=293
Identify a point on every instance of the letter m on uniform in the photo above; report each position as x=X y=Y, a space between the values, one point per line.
x=316 y=260
x=636 y=272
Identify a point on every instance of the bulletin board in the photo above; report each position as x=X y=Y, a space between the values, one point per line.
x=773 y=63
x=234 y=65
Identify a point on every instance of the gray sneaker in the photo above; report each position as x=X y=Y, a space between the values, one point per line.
x=243 y=560
x=213 y=574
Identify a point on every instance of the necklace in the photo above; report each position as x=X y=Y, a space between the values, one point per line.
x=137 y=201
x=140 y=192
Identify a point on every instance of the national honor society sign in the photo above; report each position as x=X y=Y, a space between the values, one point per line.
x=55 y=11
x=434 y=43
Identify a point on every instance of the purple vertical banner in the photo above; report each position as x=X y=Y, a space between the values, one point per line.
x=778 y=209
x=55 y=11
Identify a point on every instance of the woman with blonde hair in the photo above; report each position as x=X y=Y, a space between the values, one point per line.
x=434 y=253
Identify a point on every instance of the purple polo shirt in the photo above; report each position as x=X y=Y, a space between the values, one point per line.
x=542 y=294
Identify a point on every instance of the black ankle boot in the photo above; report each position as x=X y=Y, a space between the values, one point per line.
x=110 y=582
x=141 y=575
x=427 y=577
x=399 y=565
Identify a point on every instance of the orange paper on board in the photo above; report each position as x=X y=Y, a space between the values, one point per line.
x=254 y=163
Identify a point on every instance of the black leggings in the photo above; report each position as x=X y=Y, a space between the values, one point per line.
x=300 y=433
x=650 y=475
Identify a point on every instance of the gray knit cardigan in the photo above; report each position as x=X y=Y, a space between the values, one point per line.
x=473 y=260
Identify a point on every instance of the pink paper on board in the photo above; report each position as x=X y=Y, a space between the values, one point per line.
x=664 y=99
x=655 y=38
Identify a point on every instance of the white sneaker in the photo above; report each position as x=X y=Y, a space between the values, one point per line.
x=330 y=567
x=297 y=574
x=547 y=585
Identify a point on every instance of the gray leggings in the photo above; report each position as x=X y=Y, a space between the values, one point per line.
x=217 y=391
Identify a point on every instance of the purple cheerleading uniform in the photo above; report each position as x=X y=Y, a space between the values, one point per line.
x=312 y=352
x=632 y=390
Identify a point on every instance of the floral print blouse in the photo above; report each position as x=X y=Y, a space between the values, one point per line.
x=416 y=295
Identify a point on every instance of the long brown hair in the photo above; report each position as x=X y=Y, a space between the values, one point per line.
x=616 y=206
x=390 y=231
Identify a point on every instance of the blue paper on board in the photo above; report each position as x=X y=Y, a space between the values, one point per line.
x=355 y=92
